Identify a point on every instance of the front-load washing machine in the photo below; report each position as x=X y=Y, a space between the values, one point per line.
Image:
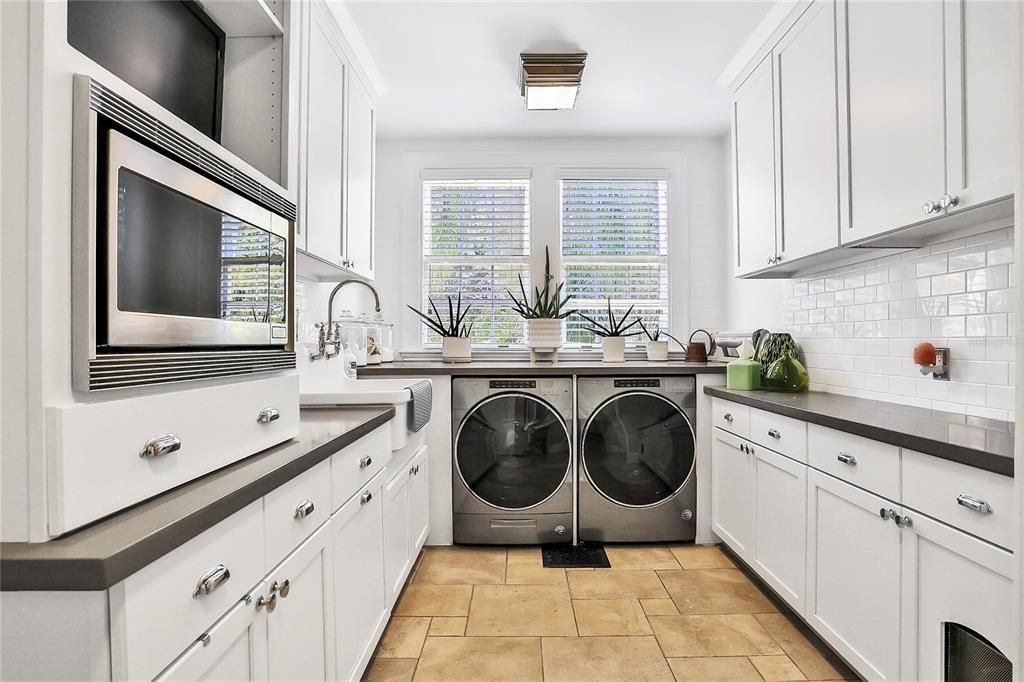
x=512 y=460
x=636 y=476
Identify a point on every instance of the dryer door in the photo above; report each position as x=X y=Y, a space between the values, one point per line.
x=512 y=451
x=637 y=449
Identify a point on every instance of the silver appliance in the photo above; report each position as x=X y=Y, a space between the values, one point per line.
x=513 y=460
x=183 y=264
x=636 y=475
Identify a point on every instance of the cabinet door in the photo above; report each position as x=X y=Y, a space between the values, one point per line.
x=951 y=577
x=235 y=648
x=853 y=574
x=896 y=113
x=299 y=628
x=323 y=95
x=982 y=99
x=359 y=227
x=754 y=149
x=419 y=502
x=732 y=493
x=360 y=608
x=780 y=524
x=397 y=533
x=807 y=125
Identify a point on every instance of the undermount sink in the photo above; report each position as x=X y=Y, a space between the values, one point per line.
x=369 y=392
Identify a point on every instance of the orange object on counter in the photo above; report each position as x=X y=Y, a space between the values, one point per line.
x=924 y=354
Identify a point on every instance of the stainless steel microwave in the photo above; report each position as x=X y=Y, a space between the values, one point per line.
x=182 y=263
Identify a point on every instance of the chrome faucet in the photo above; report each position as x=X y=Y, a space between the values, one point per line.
x=329 y=333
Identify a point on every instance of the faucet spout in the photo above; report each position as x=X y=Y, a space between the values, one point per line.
x=334 y=292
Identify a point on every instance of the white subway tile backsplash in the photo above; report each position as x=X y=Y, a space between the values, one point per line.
x=932 y=307
x=931 y=265
x=1001 y=301
x=967 y=304
x=987 y=325
x=1000 y=253
x=952 y=283
x=948 y=326
x=997 y=277
x=916 y=288
x=967 y=258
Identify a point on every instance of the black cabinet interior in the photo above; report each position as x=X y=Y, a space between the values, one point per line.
x=170 y=50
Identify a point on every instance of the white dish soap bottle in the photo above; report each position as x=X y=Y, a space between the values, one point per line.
x=350 y=360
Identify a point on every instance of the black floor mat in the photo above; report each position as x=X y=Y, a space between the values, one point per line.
x=568 y=556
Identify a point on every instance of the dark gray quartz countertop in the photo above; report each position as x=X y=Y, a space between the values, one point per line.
x=101 y=555
x=524 y=368
x=975 y=441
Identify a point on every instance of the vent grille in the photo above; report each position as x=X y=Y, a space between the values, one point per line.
x=123 y=370
x=166 y=138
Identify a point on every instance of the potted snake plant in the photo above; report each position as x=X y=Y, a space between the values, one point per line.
x=657 y=348
x=455 y=333
x=545 y=315
x=613 y=335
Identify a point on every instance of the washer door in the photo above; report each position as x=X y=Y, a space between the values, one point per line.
x=512 y=451
x=637 y=449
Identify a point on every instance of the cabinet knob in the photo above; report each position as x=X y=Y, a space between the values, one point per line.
x=365 y=462
x=774 y=433
x=267 y=415
x=305 y=508
x=973 y=503
x=903 y=521
x=847 y=458
x=282 y=588
x=367 y=496
x=270 y=603
x=947 y=201
x=160 y=445
x=727 y=417
x=931 y=207
x=214 y=578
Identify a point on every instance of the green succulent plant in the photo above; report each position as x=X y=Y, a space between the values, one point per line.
x=657 y=334
x=455 y=326
x=614 y=327
x=547 y=304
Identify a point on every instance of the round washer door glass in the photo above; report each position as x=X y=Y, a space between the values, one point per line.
x=512 y=451
x=638 y=449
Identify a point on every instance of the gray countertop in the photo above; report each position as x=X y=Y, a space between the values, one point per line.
x=105 y=553
x=975 y=441
x=524 y=368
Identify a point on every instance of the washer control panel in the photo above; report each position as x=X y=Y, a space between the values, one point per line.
x=513 y=383
x=638 y=383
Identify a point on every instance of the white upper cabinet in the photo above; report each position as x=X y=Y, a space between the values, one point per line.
x=807 y=126
x=359 y=216
x=754 y=149
x=896 y=100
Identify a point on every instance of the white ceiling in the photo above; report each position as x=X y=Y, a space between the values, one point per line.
x=452 y=68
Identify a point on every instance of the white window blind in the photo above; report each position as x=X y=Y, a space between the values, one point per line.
x=476 y=239
x=615 y=246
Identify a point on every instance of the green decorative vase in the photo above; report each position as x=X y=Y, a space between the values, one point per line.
x=787 y=375
x=770 y=348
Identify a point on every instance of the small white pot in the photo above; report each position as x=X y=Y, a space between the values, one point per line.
x=544 y=334
x=614 y=348
x=657 y=351
x=456 y=349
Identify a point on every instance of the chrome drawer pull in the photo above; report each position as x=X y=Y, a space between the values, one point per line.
x=304 y=509
x=367 y=496
x=774 y=433
x=727 y=417
x=981 y=506
x=211 y=581
x=847 y=458
x=271 y=603
x=282 y=588
x=365 y=462
x=267 y=415
x=161 y=445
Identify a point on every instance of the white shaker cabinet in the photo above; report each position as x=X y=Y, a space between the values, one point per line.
x=732 y=492
x=359 y=223
x=853 y=574
x=419 y=503
x=896 y=114
x=807 y=129
x=754 y=159
x=397 y=532
x=780 y=524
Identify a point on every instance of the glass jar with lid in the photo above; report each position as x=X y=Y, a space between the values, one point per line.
x=353 y=330
x=387 y=341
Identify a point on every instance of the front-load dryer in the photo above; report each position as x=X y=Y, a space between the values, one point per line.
x=512 y=460
x=636 y=475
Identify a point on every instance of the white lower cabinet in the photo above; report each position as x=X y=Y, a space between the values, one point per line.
x=853 y=569
x=406 y=521
x=780 y=524
x=419 y=504
x=360 y=603
x=732 y=493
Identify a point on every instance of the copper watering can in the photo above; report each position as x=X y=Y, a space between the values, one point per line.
x=697 y=351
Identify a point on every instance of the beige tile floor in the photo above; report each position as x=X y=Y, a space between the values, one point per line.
x=659 y=613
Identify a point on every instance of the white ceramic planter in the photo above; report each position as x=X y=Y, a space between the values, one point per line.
x=456 y=349
x=544 y=334
x=657 y=351
x=614 y=348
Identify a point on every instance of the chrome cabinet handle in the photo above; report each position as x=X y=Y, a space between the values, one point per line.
x=973 y=503
x=886 y=514
x=903 y=521
x=931 y=207
x=213 y=579
x=304 y=509
x=267 y=415
x=160 y=445
x=727 y=417
x=282 y=588
x=947 y=201
x=847 y=458
x=367 y=496
x=270 y=603
x=365 y=462
x=774 y=433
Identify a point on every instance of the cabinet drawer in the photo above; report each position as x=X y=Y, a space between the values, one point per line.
x=784 y=435
x=354 y=466
x=863 y=462
x=159 y=611
x=976 y=501
x=732 y=417
x=95 y=467
x=296 y=509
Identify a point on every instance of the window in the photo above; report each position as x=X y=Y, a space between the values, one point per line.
x=476 y=239
x=615 y=246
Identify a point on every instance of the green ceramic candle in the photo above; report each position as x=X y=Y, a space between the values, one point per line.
x=787 y=375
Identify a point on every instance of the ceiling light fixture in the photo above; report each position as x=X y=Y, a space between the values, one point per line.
x=551 y=81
